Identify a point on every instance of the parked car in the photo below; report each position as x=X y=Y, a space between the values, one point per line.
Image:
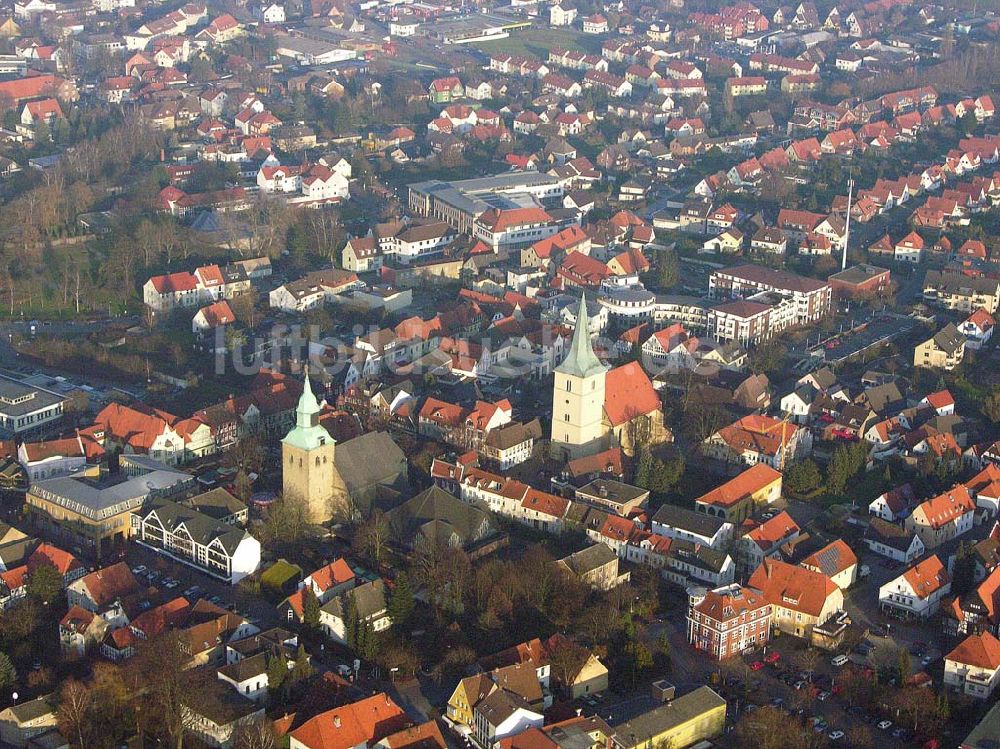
x=139 y=569
x=839 y=660
x=885 y=725
x=836 y=735
x=773 y=657
x=756 y=665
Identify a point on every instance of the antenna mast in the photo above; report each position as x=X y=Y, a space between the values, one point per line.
x=847 y=224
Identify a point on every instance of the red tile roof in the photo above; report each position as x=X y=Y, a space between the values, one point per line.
x=628 y=393
x=106 y=585
x=740 y=487
x=497 y=220
x=174 y=282
x=361 y=723
x=723 y=607
x=981 y=651
x=775 y=531
x=927 y=576
x=947 y=507
x=48 y=554
x=792 y=587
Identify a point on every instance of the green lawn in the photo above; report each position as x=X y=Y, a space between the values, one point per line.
x=538 y=42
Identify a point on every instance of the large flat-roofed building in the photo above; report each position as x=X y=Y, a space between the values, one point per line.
x=91 y=511
x=24 y=407
x=474 y=27
x=812 y=297
x=694 y=717
x=460 y=203
x=860 y=280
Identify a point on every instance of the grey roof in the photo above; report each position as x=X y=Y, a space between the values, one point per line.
x=611 y=490
x=948 y=339
x=688 y=520
x=12 y=554
x=961 y=284
x=659 y=720
x=33 y=709
x=698 y=555
x=436 y=514
x=882 y=397
x=221 y=704
x=512 y=434
x=889 y=534
x=986 y=735
x=369 y=460
x=109 y=495
x=246 y=668
x=587 y=560
x=858 y=273
x=217 y=503
x=369 y=600
x=17 y=398
x=500 y=705
x=203 y=529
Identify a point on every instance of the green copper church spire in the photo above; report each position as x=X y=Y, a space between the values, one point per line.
x=307 y=432
x=308 y=408
x=581 y=361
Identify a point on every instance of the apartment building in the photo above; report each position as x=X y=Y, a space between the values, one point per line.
x=180 y=532
x=812 y=298
x=944 y=350
x=728 y=621
x=957 y=291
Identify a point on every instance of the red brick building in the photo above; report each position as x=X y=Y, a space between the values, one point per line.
x=728 y=621
x=859 y=281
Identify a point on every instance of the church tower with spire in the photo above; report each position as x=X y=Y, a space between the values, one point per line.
x=578 y=395
x=307 y=454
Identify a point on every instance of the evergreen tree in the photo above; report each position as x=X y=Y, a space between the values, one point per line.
x=310 y=609
x=352 y=624
x=803 y=476
x=277 y=675
x=644 y=469
x=903 y=665
x=303 y=668
x=401 y=601
x=666 y=474
x=8 y=674
x=667 y=269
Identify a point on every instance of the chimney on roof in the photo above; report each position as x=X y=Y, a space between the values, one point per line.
x=336 y=721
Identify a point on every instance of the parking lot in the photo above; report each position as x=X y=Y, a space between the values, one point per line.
x=177 y=579
x=814 y=698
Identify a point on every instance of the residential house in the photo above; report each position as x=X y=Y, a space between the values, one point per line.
x=973 y=667
x=836 y=561
x=944 y=517
x=918 y=592
x=893 y=541
x=801 y=599
x=944 y=350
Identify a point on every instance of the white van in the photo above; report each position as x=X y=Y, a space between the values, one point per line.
x=839 y=660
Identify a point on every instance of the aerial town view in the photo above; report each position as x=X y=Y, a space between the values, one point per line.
x=499 y=374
